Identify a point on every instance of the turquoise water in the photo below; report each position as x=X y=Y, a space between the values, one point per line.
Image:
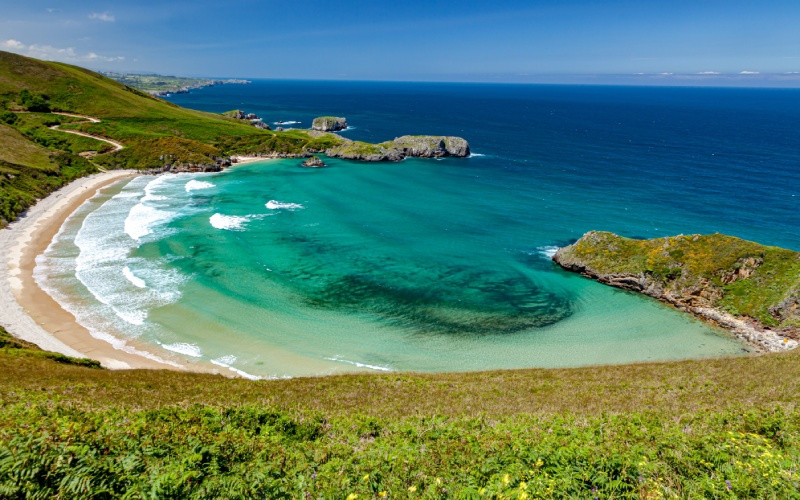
x=429 y=265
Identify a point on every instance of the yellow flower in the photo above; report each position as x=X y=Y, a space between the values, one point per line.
x=412 y=489
x=352 y=496
x=365 y=478
x=438 y=481
x=539 y=462
x=482 y=491
x=523 y=495
x=383 y=494
x=523 y=485
x=506 y=479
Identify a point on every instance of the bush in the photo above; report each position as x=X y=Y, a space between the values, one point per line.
x=8 y=117
x=34 y=102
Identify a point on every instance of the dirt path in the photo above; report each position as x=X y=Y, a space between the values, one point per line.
x=89 y=119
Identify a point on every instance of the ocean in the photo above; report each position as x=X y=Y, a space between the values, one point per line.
x=276 y=270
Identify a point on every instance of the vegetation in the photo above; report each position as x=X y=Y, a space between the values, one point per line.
x=742 y=277
x=712 y=428
x=156 y=134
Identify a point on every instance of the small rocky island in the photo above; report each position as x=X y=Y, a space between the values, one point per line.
x=329 y=123
x=749 y=289
x=313 y=162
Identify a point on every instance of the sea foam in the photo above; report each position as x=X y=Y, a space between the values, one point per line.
x=184 y=348
x=195 y=185
x=547 y=251
x=360 y=365
x=137 y=282
x=228 y=222
x=280 y=205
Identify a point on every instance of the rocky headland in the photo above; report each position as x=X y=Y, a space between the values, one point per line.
x=749 y=289
x=421 y=146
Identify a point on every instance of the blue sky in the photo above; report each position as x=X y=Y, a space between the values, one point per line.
x=467 y=40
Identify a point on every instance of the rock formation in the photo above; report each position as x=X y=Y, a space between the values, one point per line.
x=329 y=123
x=750 y=289
x=313 y=162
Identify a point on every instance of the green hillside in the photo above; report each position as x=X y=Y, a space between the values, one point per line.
x=715 y=428
x=154 y=132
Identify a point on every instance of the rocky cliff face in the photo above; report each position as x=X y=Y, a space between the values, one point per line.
x=421 y=146
x=750 y=289
x=329 y=123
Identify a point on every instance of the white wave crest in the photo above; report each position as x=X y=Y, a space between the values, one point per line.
x=194 y=185
x=279 y=205
x=184 y=348
x=137 y=282
x=228 y=222
x=142 y=218
x=547 y=251
x=360 y=365
x=475 y=155
x=290 y=122
x=227 y=361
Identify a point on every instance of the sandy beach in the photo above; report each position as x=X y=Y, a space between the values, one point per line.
x=29 y=313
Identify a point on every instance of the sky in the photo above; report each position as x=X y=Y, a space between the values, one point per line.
x=611 y=41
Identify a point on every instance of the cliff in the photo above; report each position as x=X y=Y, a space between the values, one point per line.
x=420 y=146
x=750 y=289
x=329 y=123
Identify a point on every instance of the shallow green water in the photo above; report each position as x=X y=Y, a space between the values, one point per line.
x=277 y=270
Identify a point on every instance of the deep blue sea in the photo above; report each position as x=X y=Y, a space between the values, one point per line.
x=432 y=265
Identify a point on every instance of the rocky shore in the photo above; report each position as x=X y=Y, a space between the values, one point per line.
x=749 y=289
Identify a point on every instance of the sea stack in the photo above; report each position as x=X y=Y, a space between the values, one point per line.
x=313 y=162
x=329 y=123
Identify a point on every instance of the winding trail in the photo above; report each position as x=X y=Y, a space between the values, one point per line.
x=89 y=119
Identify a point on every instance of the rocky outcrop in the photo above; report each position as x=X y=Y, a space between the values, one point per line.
x=720 y=279
x=329 y=123
x=420 y=146
x=313 y=162
x=430 y=146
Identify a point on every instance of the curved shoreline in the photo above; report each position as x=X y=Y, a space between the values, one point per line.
x=28 y=312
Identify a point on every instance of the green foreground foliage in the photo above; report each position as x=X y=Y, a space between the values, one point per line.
x=725 y=428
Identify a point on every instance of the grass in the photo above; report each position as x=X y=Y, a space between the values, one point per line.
x=710 y=428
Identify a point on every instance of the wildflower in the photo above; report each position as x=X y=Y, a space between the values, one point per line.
x=728 y=485
x=523 y=485
x=506 y=479
x=352 y=496
x=438 y=481
x=383 y=494
x=523 y=495
x=539 y=462
x=365 y=478
x=412 y=489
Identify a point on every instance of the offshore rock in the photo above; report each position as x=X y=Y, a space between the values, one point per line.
x=329 y=123
x=313 y=162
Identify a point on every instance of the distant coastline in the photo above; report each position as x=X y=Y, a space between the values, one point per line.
x=162 y=86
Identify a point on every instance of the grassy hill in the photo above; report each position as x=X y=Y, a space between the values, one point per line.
x=36 y=160
x=715 y=428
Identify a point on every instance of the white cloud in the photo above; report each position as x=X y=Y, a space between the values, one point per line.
x=708 y=73
x=103 y=16
x=12 y=45
x=50 y=53
x=746 y=72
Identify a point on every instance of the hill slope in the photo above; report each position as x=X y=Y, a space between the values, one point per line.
x=711 y=428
